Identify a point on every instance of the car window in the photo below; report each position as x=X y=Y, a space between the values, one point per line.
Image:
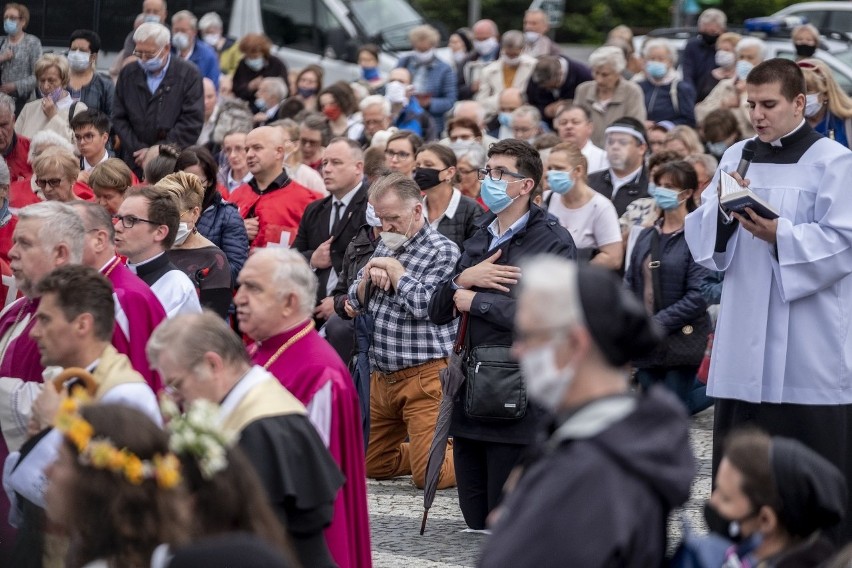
x=840 y=21
x=290 y=24
x=392 y=18
x=845 y=57
x=815 y=17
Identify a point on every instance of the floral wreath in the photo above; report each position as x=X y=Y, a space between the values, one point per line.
x=198 y=433
x=100 y=453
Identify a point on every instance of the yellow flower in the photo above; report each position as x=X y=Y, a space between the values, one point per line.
x=100 y=453
x=167 y=471
x=134 y=470
x=117 y=460
x=79 y=432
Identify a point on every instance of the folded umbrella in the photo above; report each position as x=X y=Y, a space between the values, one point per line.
x=364 y=324
x=452 y=379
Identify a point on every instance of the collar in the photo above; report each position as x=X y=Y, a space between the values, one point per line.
x=494 y=227
x=415 y=238
x=191 y=51
x=281 y=181
x=244 y=384
x=147 y=266
x=93 y=365
x=247 y=178
x=162 y=72
x=350 y=195
x=110 y=261
x=272 y=111
x=452 y=206
x=563 y=64
x=88 y=167
x=793 y=136
x=593 y=418
x=632 y=176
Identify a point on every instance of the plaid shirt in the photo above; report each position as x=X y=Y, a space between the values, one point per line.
x=404 y=336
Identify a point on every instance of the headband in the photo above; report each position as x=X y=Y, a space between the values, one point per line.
x=624 y=129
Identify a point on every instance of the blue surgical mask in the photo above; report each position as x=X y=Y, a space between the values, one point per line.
x=667 y=199
x=717 y=148
x=151 y=19
x=180 y=41
x=743 y=69
x=306 y=93
x=505 y=119
x=560 y=182
x=151 y=65
x=260 y=104
x=53 y=95
x=10 y=27
x=254 y=63
x=494 y=194
x=656 y=69
x=370 y=73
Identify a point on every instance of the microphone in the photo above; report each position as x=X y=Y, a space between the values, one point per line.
x=747 y=157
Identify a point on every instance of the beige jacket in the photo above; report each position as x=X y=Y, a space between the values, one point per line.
x=627 y=100
x=491 y=82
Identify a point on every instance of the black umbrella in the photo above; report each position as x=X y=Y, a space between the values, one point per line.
x=364 y=323
x=452 y=379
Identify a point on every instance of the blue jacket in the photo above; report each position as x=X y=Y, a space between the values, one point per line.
x=205 y=58
x=660 y=106
x=440 y=83
x=222 y=225
x=681 y=280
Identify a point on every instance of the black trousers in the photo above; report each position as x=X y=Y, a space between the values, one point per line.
x=340 y=334
x=825 y=429
x=481 y=471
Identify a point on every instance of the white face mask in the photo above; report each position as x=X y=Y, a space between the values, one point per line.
x=395 y=93
x=372 y=220
x=531 y=37
x=812 y=105
x=183 y=233
x=546 y=383
x=725 y=59
x=211 y=39
x=511 y=61
x=424 y=56
x=485 y=46
x=395 y=241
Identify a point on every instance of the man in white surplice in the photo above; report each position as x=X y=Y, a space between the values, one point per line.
x=783 y=348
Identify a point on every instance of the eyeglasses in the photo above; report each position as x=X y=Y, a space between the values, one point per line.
x=146 y=56
x=391 y=155
x=87 y=137
x=497 y=175
x=52 y=182
x=467 y=172
x=129 y=220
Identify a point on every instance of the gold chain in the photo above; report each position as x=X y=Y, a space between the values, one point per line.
x=111 y=268
x=302 y=333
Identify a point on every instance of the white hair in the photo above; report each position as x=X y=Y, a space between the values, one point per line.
x=376 y=100
x=210 y=20
x=278 y=86
x=528 y=110
x=709 y=162
x=152 y=30
x=186 y=15
x=60 y=224
x=748 y=42
x=713 y=16
x=549 y=281
x=608 y=55
x=292 y=274
x=8 y=102
x=660 y=43
x=474 y=154
x=480 y=112
x=512 y=39
x=5 y=176
x=45 y=139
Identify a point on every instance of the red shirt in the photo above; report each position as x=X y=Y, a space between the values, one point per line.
x=16 y=158
x=278 y=208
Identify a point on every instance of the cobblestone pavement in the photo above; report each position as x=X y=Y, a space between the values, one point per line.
x=396 y=508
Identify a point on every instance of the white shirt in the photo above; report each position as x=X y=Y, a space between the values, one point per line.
x=450 y=212
x=174 y=289
x=87 y=167
x=345 y=200
x=234 y=184
x=592 y=225
x=619 y=182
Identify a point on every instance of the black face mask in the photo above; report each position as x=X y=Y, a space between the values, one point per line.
x=805 y=50
x=709 y=39
x=730 y=529
x=427 y=178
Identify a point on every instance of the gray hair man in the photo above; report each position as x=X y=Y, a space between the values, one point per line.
x=526 y=123
x=536 y=28
x=12 y=146
x=376 y=115
x=408 y=350
x=179 y=113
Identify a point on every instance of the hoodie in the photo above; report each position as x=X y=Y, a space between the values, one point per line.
x=602 y=490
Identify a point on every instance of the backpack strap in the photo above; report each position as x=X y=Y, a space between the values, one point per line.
x=654 y=266
x=673 y=95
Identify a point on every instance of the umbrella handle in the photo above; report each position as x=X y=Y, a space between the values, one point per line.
x=423 y=522
x=89 y=382
x=458 y=346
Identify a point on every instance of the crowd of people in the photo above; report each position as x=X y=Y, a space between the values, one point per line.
x=234 y=291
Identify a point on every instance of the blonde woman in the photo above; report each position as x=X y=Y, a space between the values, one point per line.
x=54 y=109
x=683 y=141
x=827 y=108
x=204 y=263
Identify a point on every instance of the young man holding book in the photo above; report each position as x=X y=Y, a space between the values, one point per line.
x=781 y=353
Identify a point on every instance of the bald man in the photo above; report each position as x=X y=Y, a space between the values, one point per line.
x=271 y=203
x=486 y=48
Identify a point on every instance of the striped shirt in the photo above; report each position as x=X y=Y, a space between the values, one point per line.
x=404 y=336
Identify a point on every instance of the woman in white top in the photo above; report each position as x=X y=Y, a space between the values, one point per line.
x=303 y=174
x=53 y=110
x=589 y=216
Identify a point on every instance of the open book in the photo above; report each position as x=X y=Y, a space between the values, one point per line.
x=736 y=198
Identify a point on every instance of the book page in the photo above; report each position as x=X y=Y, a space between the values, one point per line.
x=729 y=185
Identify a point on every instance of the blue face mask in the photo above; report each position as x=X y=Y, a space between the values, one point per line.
x=151 y=19
x=656 y=69
x=743 y=69
x=254 y=63
x=717 y=148
x=559 y=182
x=260 y=104
x=370 y=73
x=667 y=199
x=10 y=27
x=494 y=194
x=151 y=65
x=505 y=119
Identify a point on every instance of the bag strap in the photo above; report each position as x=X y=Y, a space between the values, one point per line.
x=673 y=95
x=654 y=266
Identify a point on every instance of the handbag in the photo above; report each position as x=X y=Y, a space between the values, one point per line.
x=495 y=387
x=685 y=346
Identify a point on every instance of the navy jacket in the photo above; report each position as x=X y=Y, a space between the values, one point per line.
x=681 y=280
x=539 y=97
x=696 y=63
x=660 y=106
x=492 y=313
x=222 y=225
